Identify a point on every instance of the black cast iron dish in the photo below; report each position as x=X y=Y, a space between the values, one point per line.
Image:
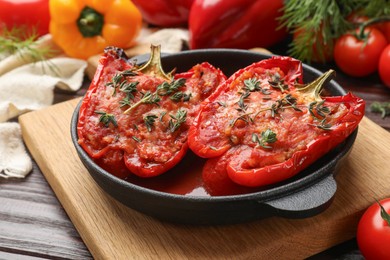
x=307 y=194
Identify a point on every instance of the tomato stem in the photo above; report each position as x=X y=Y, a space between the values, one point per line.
x=385 y=216
x=361 y=35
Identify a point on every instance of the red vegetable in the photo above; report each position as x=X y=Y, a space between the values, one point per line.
x=165 y=12
x=235 y=23
x=138 y=118
x=373 y=232
x=29 y=15
x=384 y=66
x=385 y=29
x=359 y=57
x=260 y=127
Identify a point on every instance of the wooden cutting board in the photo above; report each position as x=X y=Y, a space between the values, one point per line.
x=112 y=231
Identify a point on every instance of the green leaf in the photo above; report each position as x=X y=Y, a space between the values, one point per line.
x=385 y=216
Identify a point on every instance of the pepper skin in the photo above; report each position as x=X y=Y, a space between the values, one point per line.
x=83 y=28
x=31 y=16
x=235 y=23
x=165 y=13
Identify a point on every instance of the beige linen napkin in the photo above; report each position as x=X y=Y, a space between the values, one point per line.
x=31 y=86
x=14 y=161
x=26 y=88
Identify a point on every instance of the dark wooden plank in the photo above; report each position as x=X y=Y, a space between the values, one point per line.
x=33 y=223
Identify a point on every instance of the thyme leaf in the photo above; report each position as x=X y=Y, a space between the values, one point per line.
x=178 y=96
x=147 y=98
x=381 y=107
x=149 y=121
x=106 y=119
x=320 y=113
x=267 y=137
x=277 y=83
x=165 y=88
x=177 y=120
x=252 y=85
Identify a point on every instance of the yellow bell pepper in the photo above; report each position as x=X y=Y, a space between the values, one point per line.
x=83 y=28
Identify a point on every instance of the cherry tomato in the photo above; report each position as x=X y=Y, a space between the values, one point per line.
x=385 y=29
x=373 y=232
x=30 y=15
x=358 y=57
x=384 y=66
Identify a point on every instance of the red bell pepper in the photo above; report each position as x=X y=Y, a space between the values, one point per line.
x=235 y=23
x=138 y=118
x=31 y=16
x=261 y=127
x=166 y=13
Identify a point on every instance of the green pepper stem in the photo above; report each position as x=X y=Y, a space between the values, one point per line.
x=153 y=66
x=90 y=22
x=315 y=87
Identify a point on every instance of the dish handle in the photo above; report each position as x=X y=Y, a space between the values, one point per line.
x=307 y=202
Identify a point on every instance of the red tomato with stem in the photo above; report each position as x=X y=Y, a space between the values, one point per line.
x=29 y=15
x=384 y=66
x=373 y=232
x=359 y=57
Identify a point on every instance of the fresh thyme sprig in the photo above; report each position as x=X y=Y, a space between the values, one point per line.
x=106 y=119
x=288 y=101
x=277 y=82
x=320 y=112
x=267 y=137
x=119 y=81
x=252 y=85
x=149 y=121
x=166 y=88
x=177 y=120
x=149 y=97
x=381 y=107
x=179 y=96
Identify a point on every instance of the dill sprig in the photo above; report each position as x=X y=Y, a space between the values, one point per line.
x=15 y=41
x=320 y=22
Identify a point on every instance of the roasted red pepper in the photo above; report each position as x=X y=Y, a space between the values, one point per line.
x=138 y=117
x=235 y=23
x=164 y=13
x=261 y=127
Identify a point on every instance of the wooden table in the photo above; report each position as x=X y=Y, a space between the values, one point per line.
x=33 y=223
